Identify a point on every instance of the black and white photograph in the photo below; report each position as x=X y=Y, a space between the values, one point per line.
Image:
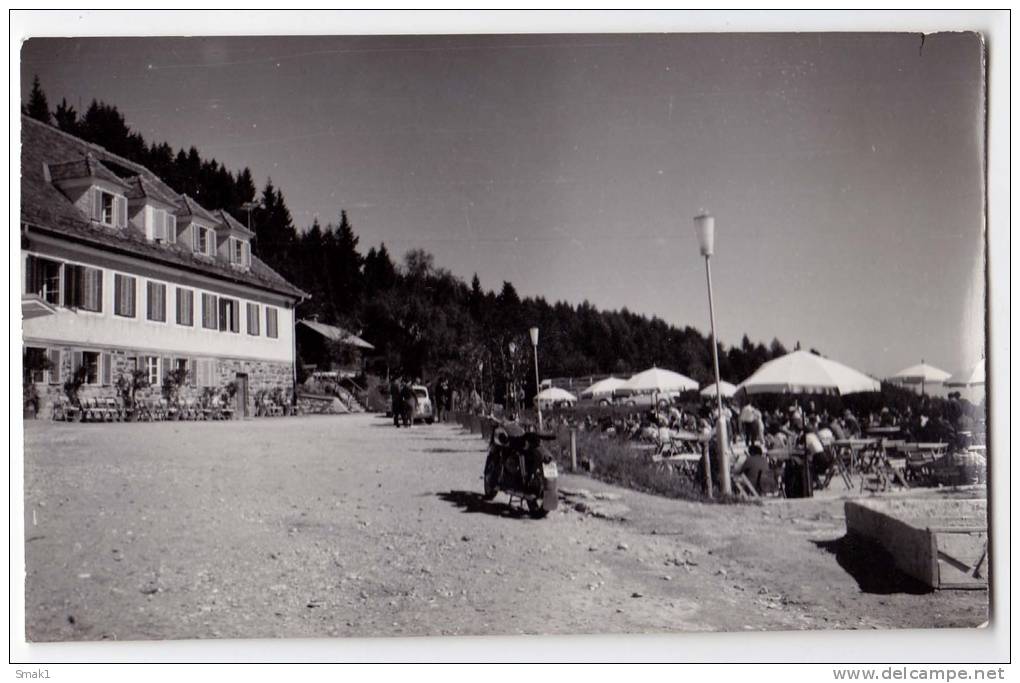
x=370 y=336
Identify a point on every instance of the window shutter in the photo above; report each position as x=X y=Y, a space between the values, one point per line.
x=55 y=359
x=235 y=315
x=75 y=362
x=97 y=204
x=246 y=254
x=171 y=228
x=148 y=300
x=192 y=379
x=120 y=207
x=73 y=285
x=33 y=275
x=107 y=369
x=159 y=225
x=99 y=289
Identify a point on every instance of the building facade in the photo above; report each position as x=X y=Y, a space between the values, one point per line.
x=120 y=273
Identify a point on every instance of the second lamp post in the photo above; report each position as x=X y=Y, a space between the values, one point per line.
x=704 y=225
x=534 y=344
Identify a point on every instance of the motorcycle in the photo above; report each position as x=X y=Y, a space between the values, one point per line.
x=522 y=467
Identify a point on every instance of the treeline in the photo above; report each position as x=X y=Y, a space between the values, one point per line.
x=422 y=319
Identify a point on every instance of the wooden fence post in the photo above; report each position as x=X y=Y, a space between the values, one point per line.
x=708 y=469
x=573 y=449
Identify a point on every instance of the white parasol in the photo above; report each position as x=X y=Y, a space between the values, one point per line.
x=802 y=372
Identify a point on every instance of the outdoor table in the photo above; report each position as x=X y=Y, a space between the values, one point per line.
x=855 y=447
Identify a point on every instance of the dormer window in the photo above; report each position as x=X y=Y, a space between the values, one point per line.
x=240 y=252
x=164 y=227
x=205 y=241
x=109 y=209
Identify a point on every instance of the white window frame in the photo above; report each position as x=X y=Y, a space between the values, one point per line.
x=63 y=281
x=46 y=291
x=150 y=367
x=99 y=367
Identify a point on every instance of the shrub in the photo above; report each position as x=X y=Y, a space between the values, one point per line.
x=172 y=383
x=74 y=384
x=616 y=463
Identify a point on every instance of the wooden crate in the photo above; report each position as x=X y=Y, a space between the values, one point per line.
x=942 y=542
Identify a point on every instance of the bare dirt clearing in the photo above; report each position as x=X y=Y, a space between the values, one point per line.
x=345 y=526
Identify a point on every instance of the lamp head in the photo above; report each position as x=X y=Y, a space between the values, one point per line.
x=534 y=336
x=704 y=226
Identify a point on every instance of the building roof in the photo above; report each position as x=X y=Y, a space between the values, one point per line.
x=83 y=165
x=226 y=219
x=186 y=206
x=141 y=188
x=337 y=334
x=44 y=208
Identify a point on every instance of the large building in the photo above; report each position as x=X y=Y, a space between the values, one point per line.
x=120 y=273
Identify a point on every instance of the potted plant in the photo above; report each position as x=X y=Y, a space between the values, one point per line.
x=172 y=383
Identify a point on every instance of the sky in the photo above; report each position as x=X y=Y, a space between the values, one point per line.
x=844 y=170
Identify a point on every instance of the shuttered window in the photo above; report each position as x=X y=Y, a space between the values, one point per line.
x=42 y=277
x=185 y=307
x=209 y=311
x=83 y=287
x=230 y=315
x=109 y=209
x=124 y=295
x=253 y=319
x=35 y=358
x=155 y=301
x=271 y=330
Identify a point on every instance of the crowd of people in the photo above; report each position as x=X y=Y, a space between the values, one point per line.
x=797 y=427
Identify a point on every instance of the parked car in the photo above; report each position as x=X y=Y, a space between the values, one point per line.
x=423 y=411
x=624 y=397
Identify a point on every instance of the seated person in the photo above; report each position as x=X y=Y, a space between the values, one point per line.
x=758 y=470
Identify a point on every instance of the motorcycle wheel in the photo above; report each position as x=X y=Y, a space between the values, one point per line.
x=490 y=477
x=535 y=508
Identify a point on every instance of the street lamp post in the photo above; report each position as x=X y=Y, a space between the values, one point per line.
x=534 y=344
x=704 y=225
x=511 y=385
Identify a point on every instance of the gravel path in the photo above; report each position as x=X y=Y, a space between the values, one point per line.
x=344 y=526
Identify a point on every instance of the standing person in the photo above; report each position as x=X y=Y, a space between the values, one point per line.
x=749 y=417
x=395 y=404
x=408 y=402
x=447 y=397
x=438 y=399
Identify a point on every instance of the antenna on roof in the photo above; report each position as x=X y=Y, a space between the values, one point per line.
x=248 y=206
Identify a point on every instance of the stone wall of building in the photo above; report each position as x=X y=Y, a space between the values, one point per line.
x=261 y=375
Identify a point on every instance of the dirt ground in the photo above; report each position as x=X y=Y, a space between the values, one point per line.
x=345 y=526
